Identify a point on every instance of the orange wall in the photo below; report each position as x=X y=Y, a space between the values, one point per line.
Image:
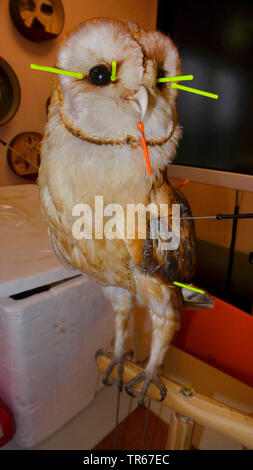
x=36 y=86
x=210 y=200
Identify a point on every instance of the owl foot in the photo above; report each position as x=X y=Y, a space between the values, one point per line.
x=115 y=361
x=147 y=378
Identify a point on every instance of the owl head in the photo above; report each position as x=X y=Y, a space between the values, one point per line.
x=103 y=111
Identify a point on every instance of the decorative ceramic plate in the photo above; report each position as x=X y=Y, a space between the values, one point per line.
x=9 y=92
x=24 y=155
x=37 y=20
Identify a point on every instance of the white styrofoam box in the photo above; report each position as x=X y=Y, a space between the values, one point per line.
x=26 y=255
x=47 y=346
x=47 y=340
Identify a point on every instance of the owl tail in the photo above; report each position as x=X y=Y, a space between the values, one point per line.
x=195 y=300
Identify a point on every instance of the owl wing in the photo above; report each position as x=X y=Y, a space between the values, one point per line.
x=58 y=253
x=150 y=256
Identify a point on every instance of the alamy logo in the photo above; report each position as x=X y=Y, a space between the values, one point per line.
x=116 y=222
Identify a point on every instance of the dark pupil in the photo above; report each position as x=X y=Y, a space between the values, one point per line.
x=160 y=74
x=99 y=75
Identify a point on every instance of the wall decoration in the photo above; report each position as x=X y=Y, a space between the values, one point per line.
x=23 y=154
x=38 y=20
x=9 y=92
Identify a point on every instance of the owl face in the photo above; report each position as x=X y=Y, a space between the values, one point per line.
x=104 y=111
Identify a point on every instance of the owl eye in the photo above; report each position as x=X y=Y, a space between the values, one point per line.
x=160 y=74
x=99 y=75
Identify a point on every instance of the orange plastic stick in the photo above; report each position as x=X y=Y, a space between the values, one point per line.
x=183 y=183
x=144 y=146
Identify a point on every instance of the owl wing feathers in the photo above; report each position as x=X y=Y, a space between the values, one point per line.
x=58 y=252
x=174 y=264
x=167 y=264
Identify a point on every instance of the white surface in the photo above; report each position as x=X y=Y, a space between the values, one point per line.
x=47 y=346
x=89 y=427
x=26 y=256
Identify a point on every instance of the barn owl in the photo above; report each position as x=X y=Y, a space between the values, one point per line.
x=91 y=147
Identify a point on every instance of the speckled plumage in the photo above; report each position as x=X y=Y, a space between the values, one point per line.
x=91 y=147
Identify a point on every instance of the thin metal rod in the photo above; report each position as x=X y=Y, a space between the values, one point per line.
x=146 y=424
x=219 y=216
x=115 y=442
x=200 y=217
x=126 y=424
x=155 y=428
x=97 y=382
x=232 y=246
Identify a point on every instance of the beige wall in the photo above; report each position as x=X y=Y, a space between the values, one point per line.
x=35 y=86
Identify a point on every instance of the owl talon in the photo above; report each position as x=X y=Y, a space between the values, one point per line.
x=147 y=379
x=102 y=352
x=115 y=361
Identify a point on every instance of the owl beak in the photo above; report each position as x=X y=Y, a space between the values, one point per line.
x=141 y=99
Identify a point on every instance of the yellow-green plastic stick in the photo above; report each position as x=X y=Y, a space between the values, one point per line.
x=113 y=75
x=54 y=70
x=189 y=287
x=178 y=78
x=193 y=90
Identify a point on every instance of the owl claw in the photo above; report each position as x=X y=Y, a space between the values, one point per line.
x=115 y=361
x=147 y=379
